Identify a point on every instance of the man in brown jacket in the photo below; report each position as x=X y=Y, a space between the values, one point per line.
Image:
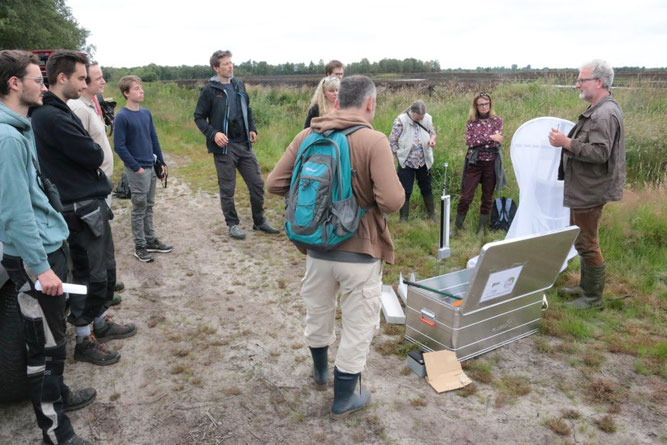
x=354 y=268
x=593 y=168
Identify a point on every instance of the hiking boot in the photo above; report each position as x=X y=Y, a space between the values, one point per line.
x=346 y=400
x=74 y=440
x=111 y=331
x=265 y=227
x=320 y=367
x=404 y=213
x=119 y=286
x=593 y=286
x=458 y=225
x=116 y=300
x=90 y=350
x=236 y=232
x=157 y=246
x=430 y=208
x=79 y=399
x=142 y=255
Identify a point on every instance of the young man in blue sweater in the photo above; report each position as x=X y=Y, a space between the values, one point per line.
x=135 y=141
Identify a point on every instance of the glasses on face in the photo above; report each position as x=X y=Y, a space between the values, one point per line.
x=580 y=81
x=39 y=80
x=483 y=104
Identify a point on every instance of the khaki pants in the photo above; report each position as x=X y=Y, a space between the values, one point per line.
x=360 y=285
x=587 y=242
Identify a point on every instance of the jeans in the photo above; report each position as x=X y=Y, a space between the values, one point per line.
x=407 y=177
x=142 y=186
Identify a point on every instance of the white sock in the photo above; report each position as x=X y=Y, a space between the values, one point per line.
x=100 y=321
x=81 y=332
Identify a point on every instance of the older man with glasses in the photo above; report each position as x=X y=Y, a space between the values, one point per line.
x=593 y=168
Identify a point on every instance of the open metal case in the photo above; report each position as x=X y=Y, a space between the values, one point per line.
x=502 y=296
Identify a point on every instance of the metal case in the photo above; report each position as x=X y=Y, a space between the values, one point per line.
x=486 y=318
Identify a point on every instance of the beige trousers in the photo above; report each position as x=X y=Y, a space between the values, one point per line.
x=360 y=285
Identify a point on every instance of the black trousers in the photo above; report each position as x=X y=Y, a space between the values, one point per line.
x=44 y=328
x=407 y=177
x=239 y=157
x=93 y=264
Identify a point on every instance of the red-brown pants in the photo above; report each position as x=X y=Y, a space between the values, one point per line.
x=483 y=172
x=587 y=242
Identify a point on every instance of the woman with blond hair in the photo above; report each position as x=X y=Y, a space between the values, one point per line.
x=483 y=162
x=324 y=99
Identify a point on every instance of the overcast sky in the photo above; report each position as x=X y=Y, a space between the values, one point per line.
x=465 y=34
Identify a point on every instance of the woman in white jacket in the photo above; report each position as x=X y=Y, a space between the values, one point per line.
x=412 y=140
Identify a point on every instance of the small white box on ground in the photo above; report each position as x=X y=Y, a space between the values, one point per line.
x=391 y=308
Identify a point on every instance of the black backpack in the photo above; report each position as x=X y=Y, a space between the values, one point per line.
x=502 y=213
x=123 y=188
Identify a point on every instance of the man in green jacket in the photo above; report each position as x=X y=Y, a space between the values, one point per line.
x=34 y=237
x=593 y=168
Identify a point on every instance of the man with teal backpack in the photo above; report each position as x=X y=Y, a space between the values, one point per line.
x=339 y=180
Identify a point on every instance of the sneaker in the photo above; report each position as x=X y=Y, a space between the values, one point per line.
x=116 y=300
x=157 y=246
x=111 y=331
x=79 y=399
x=265 y=227
x=119 y=286
x=236 y=232
x=142 y=255
x=90 y=350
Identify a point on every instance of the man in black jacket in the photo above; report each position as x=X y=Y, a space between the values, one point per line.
x=224 y=116
x=72 y=160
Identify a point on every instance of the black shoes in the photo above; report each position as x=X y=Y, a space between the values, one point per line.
x=142 y=255
x=157 y=246
x=90 y=350
x=265 y=227
x=346 y=399
x=111 y=331
x=79 y=399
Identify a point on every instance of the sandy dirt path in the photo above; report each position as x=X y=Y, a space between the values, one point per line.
x=220 y=358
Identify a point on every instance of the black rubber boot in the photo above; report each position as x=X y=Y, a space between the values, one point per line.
x=320 y=367
x=593 y=284
x=575 y=291
x=483 y=223
x=430 y=207
x=458 y=225
x=346 y=400
x=405 y=211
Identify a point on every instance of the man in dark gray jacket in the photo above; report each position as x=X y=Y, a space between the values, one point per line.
x=593 y=168
x=224 y=116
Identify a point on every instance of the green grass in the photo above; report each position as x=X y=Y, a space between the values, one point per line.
x=633 y=232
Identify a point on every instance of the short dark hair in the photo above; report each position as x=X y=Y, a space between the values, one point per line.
x=328 y=69
x=14 y=63
x=219 y=54
x=354 y=90
x=64 y=62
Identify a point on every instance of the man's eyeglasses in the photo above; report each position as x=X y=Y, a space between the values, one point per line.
x=39 y=80
x=483 y=104
x=580 y=81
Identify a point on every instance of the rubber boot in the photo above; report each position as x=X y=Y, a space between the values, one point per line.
x=430 y=207
x=405 y=211
x=458 y=225
x=593 y=284
x=575 y=291
x=320 y=367
x=346 y=400
x=483 y=223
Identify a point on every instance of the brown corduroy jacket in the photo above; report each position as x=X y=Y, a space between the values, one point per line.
x=376 y=185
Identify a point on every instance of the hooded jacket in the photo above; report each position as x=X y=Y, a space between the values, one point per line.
x=212 y=112
x=29 y=227
x=375 y=186
x=67 y=154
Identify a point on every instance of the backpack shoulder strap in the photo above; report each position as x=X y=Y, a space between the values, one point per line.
x=508 y=206
x=345 y=131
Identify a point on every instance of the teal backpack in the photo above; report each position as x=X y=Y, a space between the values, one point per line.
x=322 y=211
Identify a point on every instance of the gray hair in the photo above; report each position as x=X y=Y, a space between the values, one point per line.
x=354 y=90
x=600 y=69
x=418 y=108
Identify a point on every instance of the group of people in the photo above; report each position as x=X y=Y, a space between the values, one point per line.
x=69 y=147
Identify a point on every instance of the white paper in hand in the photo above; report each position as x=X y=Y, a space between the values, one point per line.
x=67 y=288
